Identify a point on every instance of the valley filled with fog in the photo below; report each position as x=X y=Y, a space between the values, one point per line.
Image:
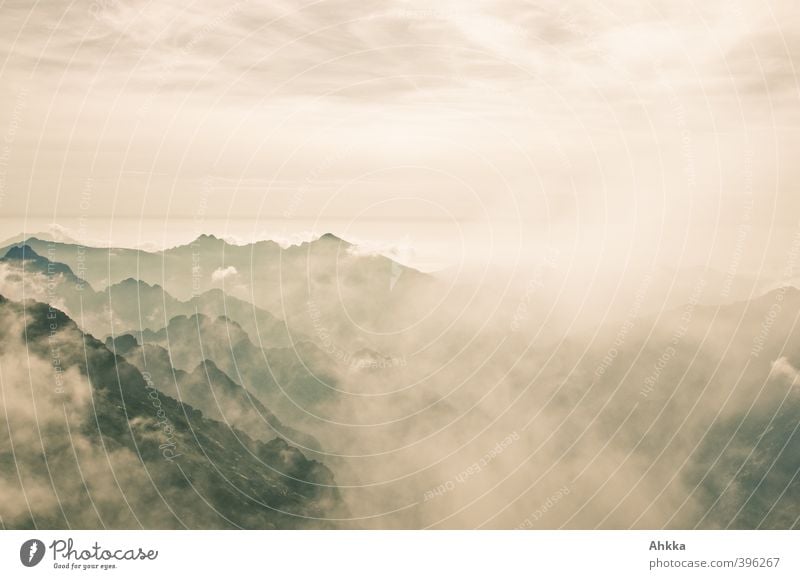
x=319 y=385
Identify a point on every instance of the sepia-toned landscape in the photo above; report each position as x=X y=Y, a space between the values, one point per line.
x=390 y=265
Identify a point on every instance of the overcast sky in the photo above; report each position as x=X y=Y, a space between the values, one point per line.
x=615 y=124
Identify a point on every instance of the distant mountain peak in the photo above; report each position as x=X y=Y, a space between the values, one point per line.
x=207 y=368
x=132 y=281
x=207 y=363
x=209 y=237
x=40 y=263
x=21 y=252
x=121 y=344
x=324 y=241
x=226 y=320
x=330 y=237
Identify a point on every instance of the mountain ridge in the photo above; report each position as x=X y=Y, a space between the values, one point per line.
x=165 y=446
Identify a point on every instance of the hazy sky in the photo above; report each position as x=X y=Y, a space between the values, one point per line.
x=649 y=127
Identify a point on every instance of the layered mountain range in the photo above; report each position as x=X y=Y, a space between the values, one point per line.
x=92 y=442
x=214 y=385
